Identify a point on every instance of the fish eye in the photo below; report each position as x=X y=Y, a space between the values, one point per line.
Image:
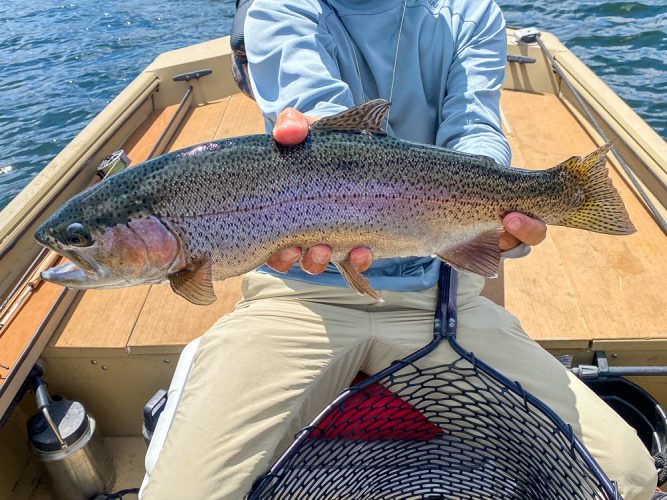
x=78 y=235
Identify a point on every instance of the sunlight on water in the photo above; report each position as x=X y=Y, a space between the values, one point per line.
x=63 y=62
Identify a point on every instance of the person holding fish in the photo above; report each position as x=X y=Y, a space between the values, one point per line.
x=300 y=335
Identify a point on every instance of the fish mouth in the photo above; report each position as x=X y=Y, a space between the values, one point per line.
x=64 y=274
x=72 y=276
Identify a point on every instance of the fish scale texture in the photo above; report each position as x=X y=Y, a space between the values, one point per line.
x=237 y=201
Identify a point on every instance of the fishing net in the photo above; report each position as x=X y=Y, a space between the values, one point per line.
x=459 y=431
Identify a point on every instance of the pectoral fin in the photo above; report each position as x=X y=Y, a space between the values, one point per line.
x=194 y=284
x=356 y=281
x=480 y=255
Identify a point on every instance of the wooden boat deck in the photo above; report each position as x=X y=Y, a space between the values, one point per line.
x=575 y=289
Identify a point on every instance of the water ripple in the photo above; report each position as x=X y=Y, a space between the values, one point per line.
x=62 y=62
x=625 y=43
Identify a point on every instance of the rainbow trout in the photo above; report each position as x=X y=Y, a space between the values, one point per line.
x=223 y=208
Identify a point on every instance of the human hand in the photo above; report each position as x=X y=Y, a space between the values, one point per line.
x=292 y=128
x=520 y=228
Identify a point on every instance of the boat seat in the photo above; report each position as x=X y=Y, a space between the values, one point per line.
x=181 y=374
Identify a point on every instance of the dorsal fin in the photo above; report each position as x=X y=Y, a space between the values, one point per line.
x=366 y=117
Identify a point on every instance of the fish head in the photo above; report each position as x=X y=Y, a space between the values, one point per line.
x=109 y=245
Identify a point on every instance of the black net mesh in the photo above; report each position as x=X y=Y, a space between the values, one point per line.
x=447 y=431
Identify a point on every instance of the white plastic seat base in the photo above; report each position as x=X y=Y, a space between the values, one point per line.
x=173 y=398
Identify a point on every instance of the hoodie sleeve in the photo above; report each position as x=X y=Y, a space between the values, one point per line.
x=291 y=59
x=471 y=107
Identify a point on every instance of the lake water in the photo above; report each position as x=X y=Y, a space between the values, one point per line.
x=62 y=62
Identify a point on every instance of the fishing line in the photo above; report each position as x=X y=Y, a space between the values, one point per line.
x=356 y=61
x=398 y=44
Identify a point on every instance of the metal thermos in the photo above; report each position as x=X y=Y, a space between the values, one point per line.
x=64 y=437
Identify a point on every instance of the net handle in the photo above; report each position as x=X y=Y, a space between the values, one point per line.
x=444 y=324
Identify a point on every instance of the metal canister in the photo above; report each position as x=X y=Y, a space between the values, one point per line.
x=64 y=437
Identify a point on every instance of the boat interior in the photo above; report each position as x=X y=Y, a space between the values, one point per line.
x=576 y=293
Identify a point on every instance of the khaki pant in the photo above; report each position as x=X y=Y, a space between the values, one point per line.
x=266 y=370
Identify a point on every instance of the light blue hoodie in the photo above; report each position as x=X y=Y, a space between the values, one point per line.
x=324 y=57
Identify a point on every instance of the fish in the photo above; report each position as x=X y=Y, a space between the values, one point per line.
x=221 y=209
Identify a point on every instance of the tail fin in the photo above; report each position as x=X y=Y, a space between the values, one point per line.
x=603 y=210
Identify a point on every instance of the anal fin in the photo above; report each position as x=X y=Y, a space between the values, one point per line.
x=481 y=255
x=356 y=280
x=194 y=283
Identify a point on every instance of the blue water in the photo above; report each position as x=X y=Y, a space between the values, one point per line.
x=624 y=43
x=62 y=62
